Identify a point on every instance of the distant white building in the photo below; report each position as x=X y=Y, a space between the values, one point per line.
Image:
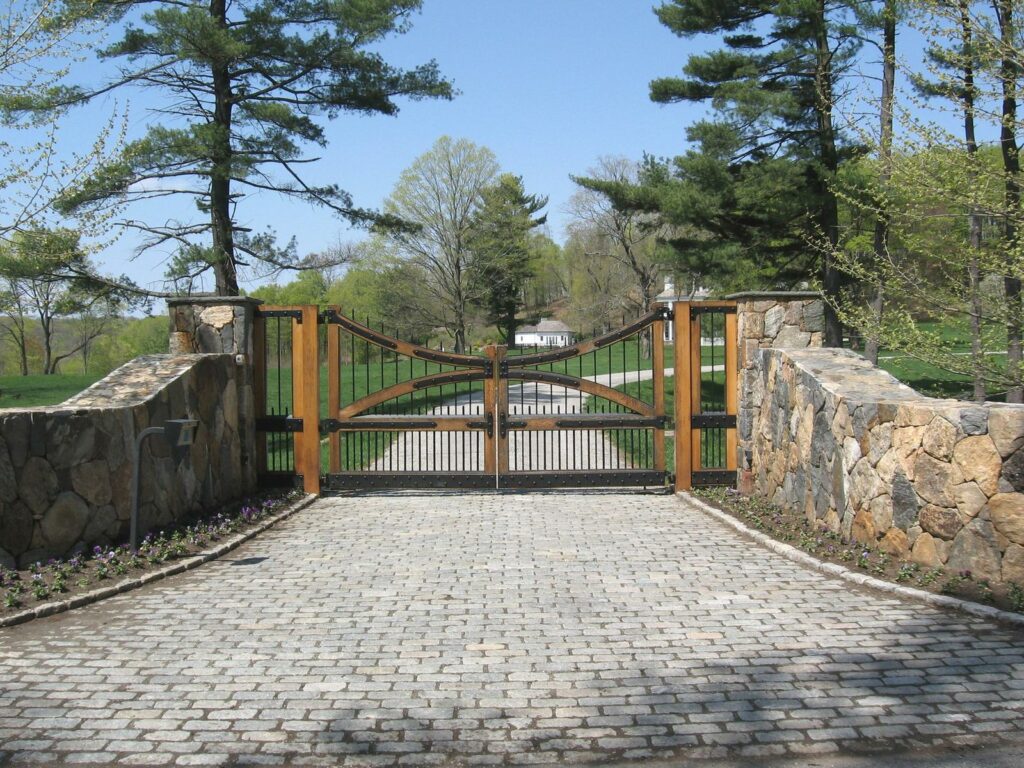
x=671 y=295
x=546 y=333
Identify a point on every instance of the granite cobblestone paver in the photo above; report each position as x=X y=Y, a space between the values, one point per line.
x=482 y=629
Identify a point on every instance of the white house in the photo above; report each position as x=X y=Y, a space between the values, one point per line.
x=671 y=295
x=546 y=333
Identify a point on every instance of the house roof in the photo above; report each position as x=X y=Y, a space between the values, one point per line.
x=546 y=325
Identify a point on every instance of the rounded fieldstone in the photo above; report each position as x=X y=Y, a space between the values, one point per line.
x=91 y=481
x=931 y=480
x=38 y=486
x=939 y=439
x=64 y=522
x=1006 y=511
x=924 y=552
x=969 y=499
x=1013 y=470
x=979 y=461
x=16 y=527
x=8 y=479
x=976 y=550
x=1006 y=428
x=939 y=521
x=1013 y=564
x=863 y=529
x=895 y=543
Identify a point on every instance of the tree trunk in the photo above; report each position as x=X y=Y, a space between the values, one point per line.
x=46 y=324
x=832 y=280
x=224 y=267
x=877 y=302
x=1008 y=75
x=974 y=217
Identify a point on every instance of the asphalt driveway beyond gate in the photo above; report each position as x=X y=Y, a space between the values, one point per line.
x=414 y=629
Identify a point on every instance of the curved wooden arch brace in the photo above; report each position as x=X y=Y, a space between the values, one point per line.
x=407 y=388
x=576 y=350
x=585 y=385
x=403 y=347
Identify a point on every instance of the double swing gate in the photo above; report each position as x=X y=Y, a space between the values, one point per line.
x=345 y=405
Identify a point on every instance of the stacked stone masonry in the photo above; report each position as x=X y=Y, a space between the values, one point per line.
x=65 y=471
x=940 y=482
x=791 y=320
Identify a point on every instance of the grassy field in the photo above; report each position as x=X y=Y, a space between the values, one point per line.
x=33 y=391
x=927 y=379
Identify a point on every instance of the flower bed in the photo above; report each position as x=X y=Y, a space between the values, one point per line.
x=793 y=529
x=60 y=579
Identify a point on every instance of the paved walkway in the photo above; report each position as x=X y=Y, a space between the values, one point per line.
x=502 y=629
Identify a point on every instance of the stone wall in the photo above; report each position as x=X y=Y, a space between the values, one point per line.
x=65 y=471
x=782 y=319
x=937 y=481
x=764 y=320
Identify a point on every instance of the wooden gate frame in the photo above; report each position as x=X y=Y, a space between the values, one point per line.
x=688 y=416
x=305 y=419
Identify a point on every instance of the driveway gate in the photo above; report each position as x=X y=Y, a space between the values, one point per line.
x=385 y=413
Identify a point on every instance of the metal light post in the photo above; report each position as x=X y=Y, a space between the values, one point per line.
x=179 y=434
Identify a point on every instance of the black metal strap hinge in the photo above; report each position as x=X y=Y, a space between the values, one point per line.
x=665 y=313
x=294 y=314
x=712 y=420
x=278 y=424
x=487 y=424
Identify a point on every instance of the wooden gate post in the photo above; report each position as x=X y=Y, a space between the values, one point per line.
x=683 y=375
x=306 y=394
x=334 y=391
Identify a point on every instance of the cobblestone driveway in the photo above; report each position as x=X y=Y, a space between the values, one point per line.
x=488 y=629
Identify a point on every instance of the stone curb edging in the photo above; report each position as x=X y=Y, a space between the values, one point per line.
x=861 y=579
x=180 y=566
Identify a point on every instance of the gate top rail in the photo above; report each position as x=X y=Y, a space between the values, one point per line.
x=582 y=348
x=402 y=347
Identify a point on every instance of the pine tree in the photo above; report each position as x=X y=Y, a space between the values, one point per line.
x=760 y=183
x=502 y=260
x=242 y=84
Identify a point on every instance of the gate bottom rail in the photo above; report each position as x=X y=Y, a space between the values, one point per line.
x=633 y=478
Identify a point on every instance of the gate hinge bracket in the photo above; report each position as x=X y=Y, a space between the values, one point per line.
x=327 y=316
x=665 y=313
x=278 y=424
x=294 y=314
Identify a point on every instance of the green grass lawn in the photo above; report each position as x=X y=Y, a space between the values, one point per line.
x=925 y=378
x=37 y=390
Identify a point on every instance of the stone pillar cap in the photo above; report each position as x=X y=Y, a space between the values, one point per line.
x=213 y=300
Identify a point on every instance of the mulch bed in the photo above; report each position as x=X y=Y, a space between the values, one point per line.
x=794 y=529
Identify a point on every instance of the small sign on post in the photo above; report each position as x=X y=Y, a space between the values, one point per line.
x=179 y=434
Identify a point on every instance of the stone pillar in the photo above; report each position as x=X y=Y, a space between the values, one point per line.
x=223 y=325
x=764 y=320
x=217 y=324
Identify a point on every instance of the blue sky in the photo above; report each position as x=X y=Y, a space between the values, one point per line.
x=548 y=85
